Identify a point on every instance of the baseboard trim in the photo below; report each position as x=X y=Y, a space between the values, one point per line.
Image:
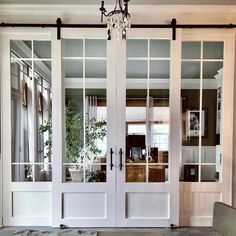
x=196 y=221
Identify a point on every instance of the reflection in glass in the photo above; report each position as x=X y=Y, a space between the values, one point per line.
x=30 y=104
x=72 y=48
x=137 y=48
x=95 y=48
x=191 y=50
x=96 y=173
x=157 y=173
x=211 y=69
x=95 y=68
x=209 y=173
x=136 y=69
x=135 y=173
x=213 y=50
x=74 y=121
x=160 y=69
x=22 y=173
x=190 y=70
x=74 y=173
x=159 y=48
x=203 y=148
x=21 y=48
x=43 y=172
x=42 y=49
x=73 y=68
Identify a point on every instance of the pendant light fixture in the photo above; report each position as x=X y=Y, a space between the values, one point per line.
x=118 y=20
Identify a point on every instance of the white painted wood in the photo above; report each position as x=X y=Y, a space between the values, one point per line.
x=82 y=204
x=31 y=204
x=175 y=127
x=86 y=205
x=1 y=187
x=157 y=210
x=132 y=209
x=192 y=194
x=17 y=195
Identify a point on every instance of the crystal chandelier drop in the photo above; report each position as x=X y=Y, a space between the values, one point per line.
x=117 y=20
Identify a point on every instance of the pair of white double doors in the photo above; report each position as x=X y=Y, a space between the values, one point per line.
x=134 y=87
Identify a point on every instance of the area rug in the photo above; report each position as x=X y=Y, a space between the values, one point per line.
x=65 y=232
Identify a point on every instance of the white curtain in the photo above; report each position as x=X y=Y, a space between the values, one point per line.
x=91 y=107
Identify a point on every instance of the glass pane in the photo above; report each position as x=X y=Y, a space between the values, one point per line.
x=42 y=49
x=157 y=173
x=137 y=48
x=135 y=173
x=211 y=69
x=95 y=48
x=212 y=102
x=43 y=172
x=43 y=69
x=190 y=154
x=190 y=100
x=96 y=173
x=95 y=125
x=21 y=106
x=22 y=173
x=209 y=174
x=135 y=122
x=72 y=47
x=74 y=173
x=95 y=69
x=190 y=173
x=213 y=50
x=158 y=125
x=160 y=69
x=191 y=50
x=190 y=70
x=159 y=48
x=74 y=121
x=73 y=68
x=136 y=69
x=21 y=48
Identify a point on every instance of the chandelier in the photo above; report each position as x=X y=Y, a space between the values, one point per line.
x=117 y=20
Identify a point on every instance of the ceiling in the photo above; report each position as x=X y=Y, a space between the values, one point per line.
x=144 y=2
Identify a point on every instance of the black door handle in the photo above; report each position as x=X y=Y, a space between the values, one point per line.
x=121 y=153
x=111 y=163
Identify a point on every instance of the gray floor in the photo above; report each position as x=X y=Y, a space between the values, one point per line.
x=193 y=231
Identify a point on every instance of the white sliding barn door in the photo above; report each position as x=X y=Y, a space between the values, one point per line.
x=26 y=75
x=84 y=190
x=148 y=86
x=207 y=86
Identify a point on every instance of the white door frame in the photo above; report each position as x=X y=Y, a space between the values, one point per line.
x=172 y=187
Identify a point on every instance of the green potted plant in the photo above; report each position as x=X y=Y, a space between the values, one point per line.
x=75 y=150
x=46 y=128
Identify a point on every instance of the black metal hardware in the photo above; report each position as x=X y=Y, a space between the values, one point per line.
x=111 y=153
x=121 y=153
x=59 y=23
x=172 y=26
x=173 y=23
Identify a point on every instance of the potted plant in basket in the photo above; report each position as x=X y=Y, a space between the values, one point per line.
x=77 y=149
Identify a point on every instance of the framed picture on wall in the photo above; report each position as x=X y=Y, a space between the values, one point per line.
x=193 y=123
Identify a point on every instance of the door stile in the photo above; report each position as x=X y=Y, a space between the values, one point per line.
x=175 y=127
x=121 y=130
x=57 y=129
